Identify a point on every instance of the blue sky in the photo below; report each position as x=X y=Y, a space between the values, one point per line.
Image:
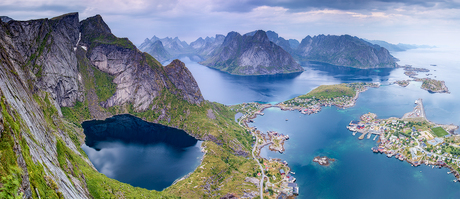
x=429 y=22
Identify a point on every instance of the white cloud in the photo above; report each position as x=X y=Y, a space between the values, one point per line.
x=138 y=19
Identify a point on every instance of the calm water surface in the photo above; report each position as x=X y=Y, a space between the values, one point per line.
x=357 y=173
x=140 y=153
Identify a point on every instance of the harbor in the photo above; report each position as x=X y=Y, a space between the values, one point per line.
x=413 y=139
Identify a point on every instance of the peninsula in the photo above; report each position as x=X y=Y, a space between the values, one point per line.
x=413 y=138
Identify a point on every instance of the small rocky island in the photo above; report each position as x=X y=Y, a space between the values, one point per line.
x=323 y=160
x=402 y=83
x=433 y=86
x=428 y=84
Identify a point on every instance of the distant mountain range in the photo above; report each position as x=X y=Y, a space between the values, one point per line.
x=397 y=47
x=169 y=48
x=245 y=54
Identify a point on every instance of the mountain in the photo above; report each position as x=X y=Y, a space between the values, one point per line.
x=205 y=47
x=283 y=43
x=294 y=43
x=56 y=73
x=251 y=55
x=344 y=50
x=398 y=47
x=5 y=19
x=169 y=48
x=157 y=50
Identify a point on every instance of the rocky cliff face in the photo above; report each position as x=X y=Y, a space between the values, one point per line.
x=34 y=83
x=251 y=55
x=47 y=48
x=344 y=50
x=184 y=81
x=139 y=77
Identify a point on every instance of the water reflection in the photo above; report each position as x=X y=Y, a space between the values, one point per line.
x=232 y=89
x=140 y=153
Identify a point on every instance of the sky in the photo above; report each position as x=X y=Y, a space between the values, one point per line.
x=427 y=22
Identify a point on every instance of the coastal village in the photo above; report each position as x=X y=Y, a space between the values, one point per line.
x=276 y=174
x=413 y=139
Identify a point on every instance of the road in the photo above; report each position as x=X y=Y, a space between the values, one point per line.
x=261 y=168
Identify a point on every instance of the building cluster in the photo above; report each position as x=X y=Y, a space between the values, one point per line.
x=412 y=141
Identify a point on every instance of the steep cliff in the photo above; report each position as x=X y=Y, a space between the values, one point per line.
x=139 y=77
x=251 y=55
x=344 y=50
x=56 y=73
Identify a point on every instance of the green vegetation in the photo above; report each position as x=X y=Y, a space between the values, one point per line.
x=105 y=88
x=152 y=62
x=9 y=171
x=112 y=39
x=221 y=169
x=329 y=91
x=439 y=131
x=76 y=114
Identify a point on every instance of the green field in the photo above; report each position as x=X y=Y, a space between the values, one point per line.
x=330 y=91
x=439 y=131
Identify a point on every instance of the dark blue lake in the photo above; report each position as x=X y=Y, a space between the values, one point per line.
x=140 y=153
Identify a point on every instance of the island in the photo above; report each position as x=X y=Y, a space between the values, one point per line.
x=323 y=161
x=340 y=95
x=402 y=83
x=428 y=84
x=413 y=138
x=433 y=86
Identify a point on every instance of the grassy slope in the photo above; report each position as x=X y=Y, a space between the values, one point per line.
x=329 y=91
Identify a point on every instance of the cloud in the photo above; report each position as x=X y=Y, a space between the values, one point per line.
x=406 y=21
x=306 y=5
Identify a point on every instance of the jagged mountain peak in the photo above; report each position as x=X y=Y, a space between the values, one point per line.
x=261 y=36
x=94 y=27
